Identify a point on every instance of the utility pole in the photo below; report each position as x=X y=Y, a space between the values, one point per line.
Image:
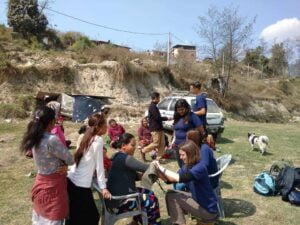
x=223 y=65
x=248 y=69
x=169 y=47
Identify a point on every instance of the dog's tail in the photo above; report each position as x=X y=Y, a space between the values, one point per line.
x=265 y=140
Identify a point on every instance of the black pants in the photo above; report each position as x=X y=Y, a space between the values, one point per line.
x=83 y=210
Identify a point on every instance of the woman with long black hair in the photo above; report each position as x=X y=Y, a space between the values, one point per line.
x=49 y=192
x=88 y=159
x=184 y=121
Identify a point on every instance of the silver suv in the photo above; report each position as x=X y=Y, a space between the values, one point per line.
x=214 y=117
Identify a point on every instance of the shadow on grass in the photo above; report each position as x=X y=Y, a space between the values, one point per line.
x=265 y=154
x=220 y=222
x=237 y=208
x=72 y=148
x=225 y=185
x=232 y=161
x=224 y=140
x=165 y=221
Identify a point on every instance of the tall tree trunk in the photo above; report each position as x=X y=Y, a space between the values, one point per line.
x=228 y=77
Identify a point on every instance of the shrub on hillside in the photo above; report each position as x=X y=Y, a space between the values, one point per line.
x=5 y=33
x=26 y=102
x=107 y=52
x=35 y=44
x=8 y=111
x=286 y=87
x=69 y=38
x=82 y=44
x=53 y=40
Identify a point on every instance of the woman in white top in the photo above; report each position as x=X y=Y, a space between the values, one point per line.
x=88 y=158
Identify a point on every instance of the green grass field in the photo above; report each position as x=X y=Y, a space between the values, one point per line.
x=242 y=205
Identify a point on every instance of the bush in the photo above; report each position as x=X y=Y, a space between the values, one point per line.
x=35 y=44
x=26 y=102
x=69 y=38
x=53 y=40
x=82 y=44
x=3 y=60
x=286 y=87
x=5 y=33
x=12 y=111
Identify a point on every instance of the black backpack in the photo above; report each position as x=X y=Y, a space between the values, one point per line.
x=286 y=181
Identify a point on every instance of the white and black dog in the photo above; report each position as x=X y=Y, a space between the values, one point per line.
x=262 y=142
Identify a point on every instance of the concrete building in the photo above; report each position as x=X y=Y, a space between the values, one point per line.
x=185 y=52
x=159 y=53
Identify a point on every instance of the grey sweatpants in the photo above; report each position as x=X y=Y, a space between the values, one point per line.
x=180 y=203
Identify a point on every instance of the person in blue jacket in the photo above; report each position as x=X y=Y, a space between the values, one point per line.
x=207 y=156
x=200 y=106
x=200 y=201
x=207 y=159
x=184 y=121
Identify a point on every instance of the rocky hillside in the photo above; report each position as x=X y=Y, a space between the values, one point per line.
x=130 y=78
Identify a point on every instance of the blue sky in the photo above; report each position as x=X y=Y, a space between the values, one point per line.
x=178 y=17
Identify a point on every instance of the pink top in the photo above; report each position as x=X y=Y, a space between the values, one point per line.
x=115 y=132
x=59 y=133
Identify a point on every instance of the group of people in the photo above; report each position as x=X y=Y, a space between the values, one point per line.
x=62 y=190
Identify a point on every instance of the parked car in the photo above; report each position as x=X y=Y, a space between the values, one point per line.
x=215 y=117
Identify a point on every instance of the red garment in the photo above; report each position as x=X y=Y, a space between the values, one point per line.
x=50 y=197
x=107 y=163
x=144 y=134
x=115 y=132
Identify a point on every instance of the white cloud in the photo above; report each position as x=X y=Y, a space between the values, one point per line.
x=282 y=30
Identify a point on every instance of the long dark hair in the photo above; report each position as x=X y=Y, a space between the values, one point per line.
x=182 y=103
x=36 y=128
x=96 y=122
x=123 y=139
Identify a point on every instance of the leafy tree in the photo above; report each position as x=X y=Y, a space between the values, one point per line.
x=25 y=17
x=253 y=57
x=256 y=58
x=278 y=61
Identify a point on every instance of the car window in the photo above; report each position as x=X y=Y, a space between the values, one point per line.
x=164 y=104
x=212 y=107
x=172 y=106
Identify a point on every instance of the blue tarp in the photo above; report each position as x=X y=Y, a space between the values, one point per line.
x=85 y=106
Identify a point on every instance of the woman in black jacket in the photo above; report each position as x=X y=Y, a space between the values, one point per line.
x=125 y=170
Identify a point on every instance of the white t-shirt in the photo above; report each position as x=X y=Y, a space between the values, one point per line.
x=92 y=161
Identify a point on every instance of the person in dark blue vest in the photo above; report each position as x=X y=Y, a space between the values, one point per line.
x=200 y=107
x=184 y=121
x=207 y=159
x=200 y=201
